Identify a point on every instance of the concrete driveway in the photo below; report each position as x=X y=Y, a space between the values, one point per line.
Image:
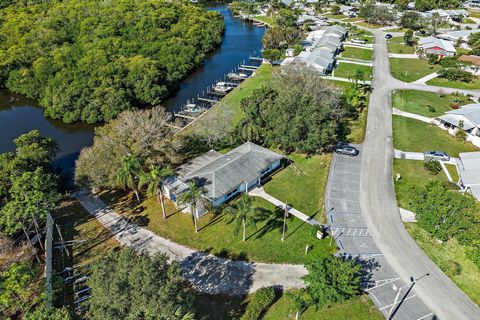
x=354 y=240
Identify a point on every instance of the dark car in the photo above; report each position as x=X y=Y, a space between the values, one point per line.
x=436 y=155
x=347 y=149
x=388 y=36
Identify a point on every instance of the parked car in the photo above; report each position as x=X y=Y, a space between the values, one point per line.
x=347 y=149
x=436 y=155
x=359 y=41
x=388 y=36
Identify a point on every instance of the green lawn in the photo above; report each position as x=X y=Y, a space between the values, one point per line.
x=452 y=169
x=428 y=104
x=232 y=100
x=450 y=257
x=361 y=34
x=217 y=237
x=358 y=127
x=442 y=82
x=353 y=19
x=396 y=45
x=265 y=19
x=413 y=176
x=410 y=70
x=369 y=25
x=348 y=70
x=475 y=14
x=302 y=184
x=336 y=16
x=354 y=309
x=357 y=53
x=414 y=135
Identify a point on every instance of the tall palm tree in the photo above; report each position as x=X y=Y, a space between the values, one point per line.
x=243 y=213
x=194 y=196
x=154 y=182
x=128 y=173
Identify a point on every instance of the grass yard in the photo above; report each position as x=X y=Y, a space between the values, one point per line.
x=410 y=70
x=77 y=224
x=452 y=169
x=302 y=184
x=428 y=104
x=413 y=176
x=396 y=45
x=361 y=34
x=232 y=100
x=475 y=14
x=336 y=16
x=357 y=53
x=450 y=257
x=265 y=19
x=442 y=82
x=358 y=128
x=369 y=25
x=348 y=70
x=358 y=308
x=218 y=238
x=356 y=19
x=414 y=135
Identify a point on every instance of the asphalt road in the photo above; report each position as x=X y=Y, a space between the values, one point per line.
x=379 y=207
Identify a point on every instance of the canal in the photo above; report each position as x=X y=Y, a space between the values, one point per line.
x=19 y=115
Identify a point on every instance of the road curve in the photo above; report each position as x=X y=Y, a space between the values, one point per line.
x=379 y=207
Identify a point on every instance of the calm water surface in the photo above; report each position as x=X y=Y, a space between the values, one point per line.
x=19 y=115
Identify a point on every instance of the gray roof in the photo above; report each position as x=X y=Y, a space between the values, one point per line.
x=430 y=42
x=220 y=174
x=469 y=168
x=319 y=58
x=470 y=111
x=336 y=29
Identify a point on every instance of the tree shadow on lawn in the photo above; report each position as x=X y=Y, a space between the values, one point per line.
x=302 y=224
x=227 y=254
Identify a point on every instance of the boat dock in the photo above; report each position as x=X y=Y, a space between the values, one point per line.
x=214 y=93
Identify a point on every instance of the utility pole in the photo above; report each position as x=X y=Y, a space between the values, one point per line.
x=411 y=283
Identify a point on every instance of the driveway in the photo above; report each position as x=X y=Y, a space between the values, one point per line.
x=379 y=207
x=354 y=239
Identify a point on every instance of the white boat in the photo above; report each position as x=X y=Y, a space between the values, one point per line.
x=239 y=75
x=222 y=87
x=192 y=107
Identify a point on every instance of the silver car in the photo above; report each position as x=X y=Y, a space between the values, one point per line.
x=436 y=155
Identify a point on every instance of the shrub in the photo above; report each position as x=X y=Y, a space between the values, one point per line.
x=455 y=74
x=461 y=135
x=260 y=302
x=433 y=167
x=473 y=254
x=451 y=267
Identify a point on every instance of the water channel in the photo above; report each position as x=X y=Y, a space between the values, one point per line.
x=19 y=115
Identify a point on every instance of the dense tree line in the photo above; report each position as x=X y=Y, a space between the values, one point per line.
x=89 y=60
x=447 y=214
x=298 y=112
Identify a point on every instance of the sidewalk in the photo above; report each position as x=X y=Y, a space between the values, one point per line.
x=207 y=273
x=426 y=78
x=412 y=115
x=403 y=55
x=260 y=192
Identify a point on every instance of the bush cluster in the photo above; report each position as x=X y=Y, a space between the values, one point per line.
x=262 y=299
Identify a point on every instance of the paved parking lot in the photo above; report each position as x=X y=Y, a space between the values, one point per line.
x=353 y=239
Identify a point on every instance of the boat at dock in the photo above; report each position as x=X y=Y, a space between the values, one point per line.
x=237 y=75
x=222 y=87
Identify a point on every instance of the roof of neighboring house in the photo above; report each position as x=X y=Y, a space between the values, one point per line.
x=455 y=35
x=469 y=114
x=470 y=58
x=432 y=42
x=219 y=174
x=336 y=30
x=319 y=58
x=469 y=169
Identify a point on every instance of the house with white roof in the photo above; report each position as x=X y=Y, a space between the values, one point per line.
x=223 y=176
x=466 y=118
x=454 y=36
x=435 y=46
x=469 y=172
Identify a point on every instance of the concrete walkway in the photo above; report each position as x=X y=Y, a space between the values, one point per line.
x=344 y=79
x=412 y=115
x=399 y=154
x=403 y=55
x=366 y=46
x=207 y=273
x=260 y=192
x=426 y=78
x=361 y=62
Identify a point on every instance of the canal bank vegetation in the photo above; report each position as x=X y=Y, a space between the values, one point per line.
x=89 y=60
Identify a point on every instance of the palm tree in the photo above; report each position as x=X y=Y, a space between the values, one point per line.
x=193 y=197
x=154 y=180
x=129 y=171
x=242 y=213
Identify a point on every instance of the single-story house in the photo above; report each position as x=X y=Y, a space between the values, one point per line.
x=223 y=176
x=454 y=36
x=449 y=15
x=337 y=31
x=320 y=59
x=474 y=4
x=465 y=118
x=469 y=172
x=439 y=47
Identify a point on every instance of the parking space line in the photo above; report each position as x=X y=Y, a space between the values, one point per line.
x=344 y=189
x=428 y=315
x=348 y=200
x=374 y=296
x=400 y=301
